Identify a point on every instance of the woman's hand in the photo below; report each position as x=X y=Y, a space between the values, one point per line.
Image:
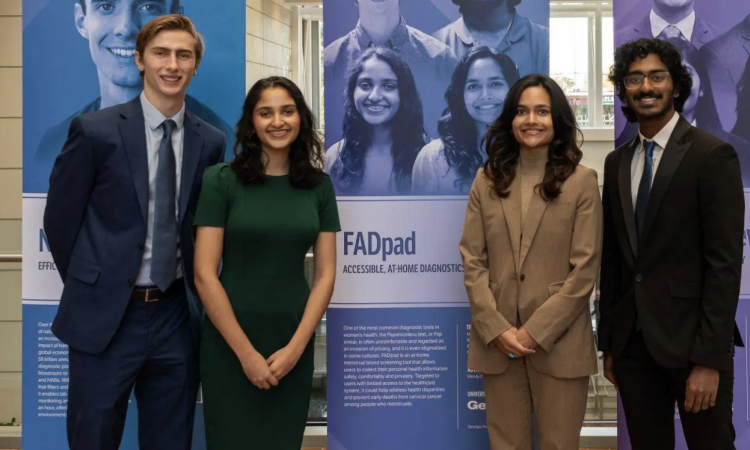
x=257 y=371
x=283 y=361
x=508 y=344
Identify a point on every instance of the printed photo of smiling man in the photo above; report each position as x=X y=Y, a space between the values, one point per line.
x=109 y=27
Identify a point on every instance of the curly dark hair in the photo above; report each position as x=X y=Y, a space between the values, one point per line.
x=564 y=152
x=641 y=48
x=456 y=128
x=306 y=153
x=407 y=127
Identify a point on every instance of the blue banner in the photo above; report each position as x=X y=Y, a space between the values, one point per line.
x=77 y=58
x=408 y=93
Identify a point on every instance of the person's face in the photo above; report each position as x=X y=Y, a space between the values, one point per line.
x=276 y=120
x=168 y=63
x=376 y=94
x=695 y=91
x=532 y=126
x=673 y=3
x=649 y=101
x=111 y=27
x=377 y=7
x=485 y=91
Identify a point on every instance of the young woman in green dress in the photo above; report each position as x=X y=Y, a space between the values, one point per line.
x=256 y=219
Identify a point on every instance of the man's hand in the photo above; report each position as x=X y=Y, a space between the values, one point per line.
x=700 y=392
x=525 y=339
x=608 y=371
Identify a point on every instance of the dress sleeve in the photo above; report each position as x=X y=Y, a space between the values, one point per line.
x=213 y=202
x=328 y=211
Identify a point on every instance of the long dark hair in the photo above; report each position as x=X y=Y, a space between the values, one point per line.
x=564 y=152
x=742 y=126
x=407 y=127
x=456 y=128
x=641 y=48
x=306 y=154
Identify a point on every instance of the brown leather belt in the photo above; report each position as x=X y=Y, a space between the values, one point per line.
x=154 y=294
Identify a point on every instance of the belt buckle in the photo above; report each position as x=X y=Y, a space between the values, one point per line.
x=149 y=300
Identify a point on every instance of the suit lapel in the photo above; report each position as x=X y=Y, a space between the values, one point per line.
x=512 y=213
x=192 y=145
x=746 y=33
x=643 y=28
x=626 y=191
x=668 y=165
x=534 y=214
x=700 y=33
x=133 y=133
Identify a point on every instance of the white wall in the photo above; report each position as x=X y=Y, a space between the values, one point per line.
x=10 y=208
x=268 y=40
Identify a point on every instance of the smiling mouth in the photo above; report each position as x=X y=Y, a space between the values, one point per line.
x=376 y=108
x=122 y=52
x=278 y=133
x=533 y=132
x=170 y=79
x=488 y=107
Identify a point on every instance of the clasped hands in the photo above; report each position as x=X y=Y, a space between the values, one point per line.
x=516 y=343
x=264 y=373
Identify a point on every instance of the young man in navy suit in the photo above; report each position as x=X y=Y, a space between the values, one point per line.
x=118 y=218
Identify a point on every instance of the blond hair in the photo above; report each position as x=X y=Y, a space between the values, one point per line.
x=167 y=23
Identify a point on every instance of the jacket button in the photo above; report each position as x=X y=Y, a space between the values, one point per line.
x=639 y=278
x=523 y=277
x=130 y=282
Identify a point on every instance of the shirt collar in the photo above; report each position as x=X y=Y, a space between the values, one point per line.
x=686 y=25
x=516 y=32
x=662 y=137
x=398 y=39
x=154 y=118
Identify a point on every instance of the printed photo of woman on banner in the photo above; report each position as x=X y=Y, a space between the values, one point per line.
x=436 y=39
x=713 y=37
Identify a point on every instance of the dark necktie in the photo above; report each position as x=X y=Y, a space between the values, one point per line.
x=164 y=242
x=644 y=187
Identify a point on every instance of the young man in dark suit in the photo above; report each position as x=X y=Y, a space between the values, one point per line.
x=118 y=219
x=671 y=259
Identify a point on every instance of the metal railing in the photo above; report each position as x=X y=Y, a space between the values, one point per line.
x=10 y=258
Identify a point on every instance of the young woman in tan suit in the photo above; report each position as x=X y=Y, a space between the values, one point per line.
x=531 y=247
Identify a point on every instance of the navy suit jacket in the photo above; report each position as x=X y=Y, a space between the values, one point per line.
x=96 y=217
x=703 y=32
x=725 y=59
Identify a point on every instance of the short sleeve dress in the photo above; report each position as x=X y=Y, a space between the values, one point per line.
x=268 y=229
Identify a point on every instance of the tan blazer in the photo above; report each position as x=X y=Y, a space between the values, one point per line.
x=546 y=279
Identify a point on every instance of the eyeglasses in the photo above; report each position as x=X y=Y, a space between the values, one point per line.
x=655 y=79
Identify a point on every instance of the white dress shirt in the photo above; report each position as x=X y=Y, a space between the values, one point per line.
x=686 y=25
x=154 y=132
x=639 y=156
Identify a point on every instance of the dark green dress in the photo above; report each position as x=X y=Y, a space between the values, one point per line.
x=268 y=229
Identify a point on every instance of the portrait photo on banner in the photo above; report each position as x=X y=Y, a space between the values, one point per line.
x=83 y=61
x=412 y=86
x=713 y=37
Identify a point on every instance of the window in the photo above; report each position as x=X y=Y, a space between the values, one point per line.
x=581 y=40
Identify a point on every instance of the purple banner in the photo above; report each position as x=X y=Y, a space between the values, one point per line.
x=714 y=38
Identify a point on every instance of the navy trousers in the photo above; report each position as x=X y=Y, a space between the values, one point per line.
x=152 y=352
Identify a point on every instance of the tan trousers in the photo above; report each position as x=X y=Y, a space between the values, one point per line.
x=559 y=406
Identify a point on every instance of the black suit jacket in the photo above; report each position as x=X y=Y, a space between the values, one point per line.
x=683 y=276
x=96 y=217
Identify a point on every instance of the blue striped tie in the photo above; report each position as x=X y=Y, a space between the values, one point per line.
x=164 y=241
